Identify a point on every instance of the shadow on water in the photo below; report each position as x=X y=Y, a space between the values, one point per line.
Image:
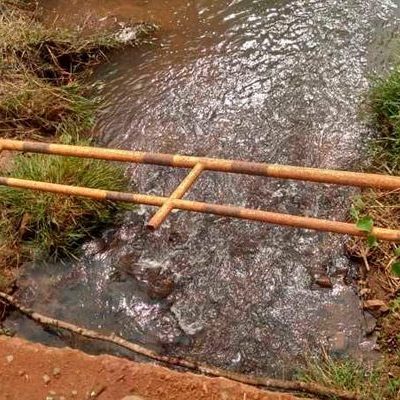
x=273 y=81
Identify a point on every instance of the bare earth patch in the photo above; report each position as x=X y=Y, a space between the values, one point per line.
x=35 y=372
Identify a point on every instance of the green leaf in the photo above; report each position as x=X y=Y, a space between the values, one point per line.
x=365 y=224
x=372 y=241
x=397 y=251
x=396 y=268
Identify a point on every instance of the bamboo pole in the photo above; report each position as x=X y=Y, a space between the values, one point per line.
x=196 y=206
x=345 y=178
x=161 y=215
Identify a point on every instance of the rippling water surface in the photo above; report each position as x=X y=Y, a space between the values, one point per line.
x=273 y=81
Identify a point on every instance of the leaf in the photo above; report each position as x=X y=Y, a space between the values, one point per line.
x=372 y=241
x=397 y=251
x=365 y=224
x=396 y=268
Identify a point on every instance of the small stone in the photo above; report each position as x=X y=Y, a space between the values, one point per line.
x=133 y=397
x=10 y=359
x=56 y=372
x=46 y=379
x=52 y=393
x=370 y=324
x=74 y=393
x=21 y=373
x=324 y=281
x=375 y=305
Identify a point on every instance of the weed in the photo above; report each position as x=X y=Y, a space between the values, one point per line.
x=382 y=108
x=346 y=374
x=45 y=224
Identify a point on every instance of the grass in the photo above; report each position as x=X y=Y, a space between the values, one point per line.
x=379 y=272
x=32 y=108
x=383 y=113
x=369 y=383
x=42 y=71
x=43 y=95
x=381 y=110
x=47 y=225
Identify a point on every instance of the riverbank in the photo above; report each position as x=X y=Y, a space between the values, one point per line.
x=381 y=260
x=44 y=95
x=379 y=271
x=32 y=371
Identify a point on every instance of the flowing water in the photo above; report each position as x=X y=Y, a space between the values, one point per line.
x=275 y=81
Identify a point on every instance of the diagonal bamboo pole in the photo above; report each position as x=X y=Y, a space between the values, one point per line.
x=217 y=209
x=161 y=215
x=346 y=178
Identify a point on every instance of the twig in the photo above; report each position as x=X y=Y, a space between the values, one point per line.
x=279 y=384
x=364 y=254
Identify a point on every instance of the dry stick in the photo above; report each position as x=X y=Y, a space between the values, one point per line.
x=312 y=388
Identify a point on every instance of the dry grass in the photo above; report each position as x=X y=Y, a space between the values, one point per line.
x=41 y=72
x=384 y=208
x=382 y=111
x=379 y=279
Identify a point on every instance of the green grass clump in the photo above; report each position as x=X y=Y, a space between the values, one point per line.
x=383 y=112
x=370 y=384
x=45 y=224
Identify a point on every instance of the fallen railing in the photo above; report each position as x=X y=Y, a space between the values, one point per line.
x=198 y=165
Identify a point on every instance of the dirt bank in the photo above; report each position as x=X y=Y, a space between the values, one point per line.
x=35 y=372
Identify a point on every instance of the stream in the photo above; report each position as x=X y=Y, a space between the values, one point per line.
x=277 y=81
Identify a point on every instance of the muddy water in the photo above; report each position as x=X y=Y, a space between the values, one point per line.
x=274 y=81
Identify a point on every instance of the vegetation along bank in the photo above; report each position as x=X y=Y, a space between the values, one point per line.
x=43 y=96
x=379 y=275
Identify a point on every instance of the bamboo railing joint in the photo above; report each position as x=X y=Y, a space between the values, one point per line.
x=162 y=214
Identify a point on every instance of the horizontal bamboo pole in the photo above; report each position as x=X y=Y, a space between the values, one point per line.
x=222 y=210
x=161 y=215
x=345 y=178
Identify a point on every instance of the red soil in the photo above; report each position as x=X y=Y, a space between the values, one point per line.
x=35 y=372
